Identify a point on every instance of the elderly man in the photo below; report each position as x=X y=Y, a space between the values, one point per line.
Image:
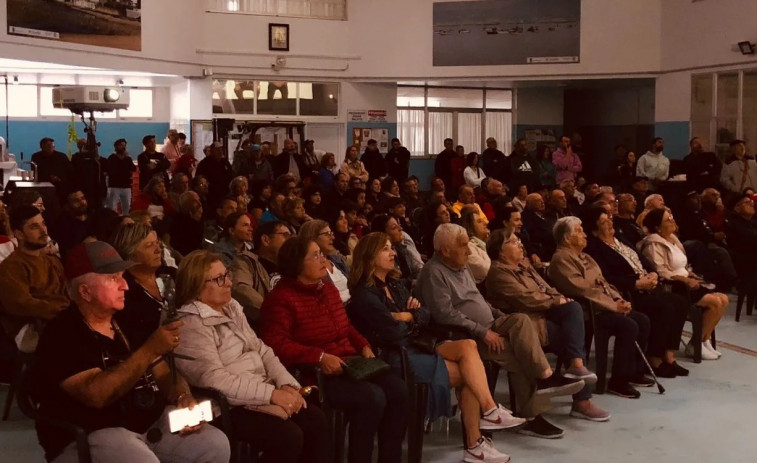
x=569 y=188
x=576 y=274
x=558 y=206
x=493 y=197
x=466 y=196
x=538 y=227
x=32 y=284
x=172 y=149
x=653 y=202
x=513 y=285
x=447 y=287
x=89 y=375
x=267 y=240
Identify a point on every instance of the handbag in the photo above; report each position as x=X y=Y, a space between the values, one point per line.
x=361 y=368
x=424 y=342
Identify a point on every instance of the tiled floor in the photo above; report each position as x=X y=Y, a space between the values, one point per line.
x=707 y=417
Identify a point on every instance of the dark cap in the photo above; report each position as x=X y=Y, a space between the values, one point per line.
x=94 y=257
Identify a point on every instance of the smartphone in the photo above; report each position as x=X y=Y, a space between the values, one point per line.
x=182 y=417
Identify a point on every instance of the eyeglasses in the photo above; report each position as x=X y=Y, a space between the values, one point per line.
x=221 y=279
x=315 y=257
x=285 y=234
x=326 y=233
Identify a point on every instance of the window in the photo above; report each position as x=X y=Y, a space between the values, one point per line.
x=275 y=98
x=140 y=104
x=322 y=9
x=456 y=113
x=22 y=101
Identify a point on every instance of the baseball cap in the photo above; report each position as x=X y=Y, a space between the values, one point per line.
x=94 y=257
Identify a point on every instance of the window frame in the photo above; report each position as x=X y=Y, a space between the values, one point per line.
x=255 y=115
x=244 y=7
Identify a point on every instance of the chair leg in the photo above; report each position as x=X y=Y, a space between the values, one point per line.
x=9 y=399
x=739 y=304
x=601 y=346
x=416 y=424
x=713 y=341
x=750 y=299
x=696 y=332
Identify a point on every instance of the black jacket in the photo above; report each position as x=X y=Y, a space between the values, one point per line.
x=539 y=230
x=742 y=242
x=495 y=164
x=615 y=268
x=398 y=163
x=702 y=171
x=374 y=163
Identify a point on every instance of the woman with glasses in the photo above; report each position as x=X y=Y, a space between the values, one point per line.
x=663 y=248
x=383 y=309
x=304 y=321
x=336 y=265
x=268 y=411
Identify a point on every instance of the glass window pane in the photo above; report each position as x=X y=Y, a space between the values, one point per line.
x=455 y=98
x=439 y=128
x=411 y=97
x=728 y=95
x=499 y=99
x=46 y=104
x=277 y=97
x=319 y=99
x=701 y=129
x=411 y=130
x=233 y=96
x=469 y=131
x=140 y=104
x=749 y=94
x=499 y=125
x=750 y=135
x=701 y=97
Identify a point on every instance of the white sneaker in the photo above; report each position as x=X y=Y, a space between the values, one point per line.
x=707 y=354
x=708 y=345
x=484 y=452
x=499 y=418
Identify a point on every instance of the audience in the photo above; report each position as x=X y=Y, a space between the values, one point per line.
x=523 y=167
x=187 y=228
x=74 y=224
x=398 y=161
x=495 y=162
x=267 y=241
x=408 y=258
x=653 y=164
x=337 y=268
x=702 y=168
x=467 y=197
x=217 y=170
x=538 y=227
x=478 y=260
x=268 y=410
x=305 y=322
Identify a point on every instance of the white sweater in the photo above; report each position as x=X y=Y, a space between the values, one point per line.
x=473 y=176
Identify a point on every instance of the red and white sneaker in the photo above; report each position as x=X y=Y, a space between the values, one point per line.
x=484 y=452
x=499 y=418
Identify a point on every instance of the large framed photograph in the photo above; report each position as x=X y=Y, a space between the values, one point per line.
x=278 y=37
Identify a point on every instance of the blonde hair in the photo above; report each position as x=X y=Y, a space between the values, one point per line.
x=127 y=237
x=312 y=228
x=363 y=260
x=190 y=278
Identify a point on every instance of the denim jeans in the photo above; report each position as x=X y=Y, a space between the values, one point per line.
x=566 y=331
x=122 y=195
x=119 y=445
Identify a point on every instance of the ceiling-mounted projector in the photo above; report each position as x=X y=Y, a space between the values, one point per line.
x=79 y=99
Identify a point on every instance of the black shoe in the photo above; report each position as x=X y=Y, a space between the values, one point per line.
x=622 y=388
x=557 y=385
x=680 y=371
x=665 y=370
x=640 y=381
x=539 y=427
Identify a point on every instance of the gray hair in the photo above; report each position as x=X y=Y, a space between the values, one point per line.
x=564 y=228
x=651 y=197
x=236 y=181
x=447 y=233
x=127 y=237
x=185 y=200
x=72 y=288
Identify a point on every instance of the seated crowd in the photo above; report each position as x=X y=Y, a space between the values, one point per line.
x=290 y=269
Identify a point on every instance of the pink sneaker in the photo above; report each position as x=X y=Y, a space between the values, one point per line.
x=591 y=413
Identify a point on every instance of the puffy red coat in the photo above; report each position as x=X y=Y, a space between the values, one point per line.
x=300 y=322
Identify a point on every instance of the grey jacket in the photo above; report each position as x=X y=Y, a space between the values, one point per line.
x=250 y=283
x=229 y=357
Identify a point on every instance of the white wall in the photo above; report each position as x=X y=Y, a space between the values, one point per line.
x=366 y=96
x=673 y=97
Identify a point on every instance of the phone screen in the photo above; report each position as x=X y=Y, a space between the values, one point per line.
x=182 y=417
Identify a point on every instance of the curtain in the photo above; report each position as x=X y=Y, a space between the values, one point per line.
x=411 y=130
x=500 y=126
x=469 y=131
x=439 y=128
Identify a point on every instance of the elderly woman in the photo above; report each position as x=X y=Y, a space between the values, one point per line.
x=383 y=309
x=352 y=166
x=478 y=260
x=294 y=214
x=666 y=252
x=304 y=321
x=634 y=276
x=238 y=189
x=576 y=274
x=268 y=410
x=336 y=265
x=144 y=301
x=513 y=285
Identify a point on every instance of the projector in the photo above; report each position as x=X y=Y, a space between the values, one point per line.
x=80 y=99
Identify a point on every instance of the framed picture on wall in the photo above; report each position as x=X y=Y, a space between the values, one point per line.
x=278 y=37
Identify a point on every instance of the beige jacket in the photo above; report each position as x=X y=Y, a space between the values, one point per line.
x=355 y=169
x=250 y=283
x=228 y=356
x=579 y=276
x=517 y=289
x=479 y=261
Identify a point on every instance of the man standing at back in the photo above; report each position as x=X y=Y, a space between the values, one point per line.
x=494 y=163
x=172 y=150
x=566 y=161
x=151 y=163
x=702 y=167
x=373 y=160
x=32 y=284
x=52 y=166
x=653 y=164
x=443 y=164
x=120 y=169
x=398 y=161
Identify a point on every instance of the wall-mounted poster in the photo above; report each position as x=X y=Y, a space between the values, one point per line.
x=360 y=137
x=105 y=23
x=501 y=32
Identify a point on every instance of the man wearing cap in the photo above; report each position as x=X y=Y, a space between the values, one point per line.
x=32 y=285
x=118 y=394
x=260 y=167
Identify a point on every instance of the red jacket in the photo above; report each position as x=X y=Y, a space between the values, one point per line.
x=300 y=322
